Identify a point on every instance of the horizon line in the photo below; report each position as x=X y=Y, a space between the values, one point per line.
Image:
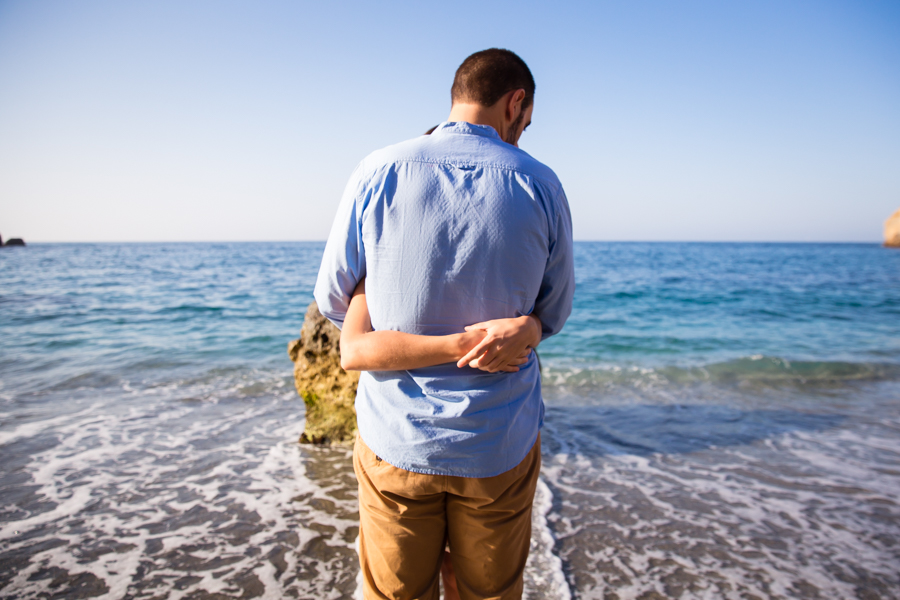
x=322 y=241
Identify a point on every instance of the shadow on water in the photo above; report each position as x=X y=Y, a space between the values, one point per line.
x=647 y=429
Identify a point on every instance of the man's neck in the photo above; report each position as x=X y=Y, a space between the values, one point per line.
x=477 y=114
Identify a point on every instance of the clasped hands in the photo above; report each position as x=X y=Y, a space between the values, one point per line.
x=501 y=344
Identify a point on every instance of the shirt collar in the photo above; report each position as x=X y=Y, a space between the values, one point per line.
x=464 y=127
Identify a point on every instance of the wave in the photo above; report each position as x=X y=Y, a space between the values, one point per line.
x=751 y=371
x=190 y=308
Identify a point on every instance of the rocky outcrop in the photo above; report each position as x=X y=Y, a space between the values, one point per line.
x=327 y=390
x=13 y=242
x=892 y=231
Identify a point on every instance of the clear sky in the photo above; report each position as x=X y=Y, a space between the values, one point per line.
x=213 y=120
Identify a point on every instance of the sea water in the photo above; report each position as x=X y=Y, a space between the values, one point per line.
x=723 y=421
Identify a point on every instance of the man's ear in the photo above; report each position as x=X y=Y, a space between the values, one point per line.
x=514 y=104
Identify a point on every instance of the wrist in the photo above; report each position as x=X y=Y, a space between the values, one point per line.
x=461 y=343
x=536 y=329
x=457 y=345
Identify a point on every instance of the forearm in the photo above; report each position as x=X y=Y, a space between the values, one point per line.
x=395 y=350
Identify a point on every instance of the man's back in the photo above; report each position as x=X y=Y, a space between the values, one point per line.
x=481 y=212
x=451 y=229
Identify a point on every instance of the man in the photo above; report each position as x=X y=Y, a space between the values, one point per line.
x=452 y=229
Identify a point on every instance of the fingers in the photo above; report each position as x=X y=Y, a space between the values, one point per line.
x=489 y=355
x=497 y=363
x=507 y=368
x=480 y=362
x=484 y=363
x=473 y=353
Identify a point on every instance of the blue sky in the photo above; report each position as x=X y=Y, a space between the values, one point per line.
x=191 y=121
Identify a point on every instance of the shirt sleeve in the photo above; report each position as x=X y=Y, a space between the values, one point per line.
x=344 y=260
x=554 y=302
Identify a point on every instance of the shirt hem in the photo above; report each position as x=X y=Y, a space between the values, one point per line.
x=452 y=473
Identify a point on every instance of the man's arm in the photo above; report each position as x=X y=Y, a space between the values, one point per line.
x=344 y=260
x=554 y=301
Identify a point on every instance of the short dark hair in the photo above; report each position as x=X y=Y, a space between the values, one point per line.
x=486 y=76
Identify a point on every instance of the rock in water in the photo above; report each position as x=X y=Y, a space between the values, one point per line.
x=892 y=231
x=15 y=242
x=327 y=390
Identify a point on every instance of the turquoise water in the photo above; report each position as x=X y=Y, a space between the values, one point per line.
x=722 y=422
x=82 y=309
x=695 y=304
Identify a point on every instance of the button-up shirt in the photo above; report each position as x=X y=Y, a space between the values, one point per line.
x=448 y=230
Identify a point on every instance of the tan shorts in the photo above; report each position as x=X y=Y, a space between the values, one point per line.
x=406 y=519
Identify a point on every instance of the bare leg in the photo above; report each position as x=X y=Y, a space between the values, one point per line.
x=449 y=578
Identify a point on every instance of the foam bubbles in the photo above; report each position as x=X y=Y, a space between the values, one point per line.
x=790 y=513
x=544 y=577
x=164 y=495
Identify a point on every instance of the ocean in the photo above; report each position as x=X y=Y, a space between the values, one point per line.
x=723 y=421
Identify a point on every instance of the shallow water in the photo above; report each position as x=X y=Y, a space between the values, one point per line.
x=722 y=423
x=727 y=500
x=174 y=489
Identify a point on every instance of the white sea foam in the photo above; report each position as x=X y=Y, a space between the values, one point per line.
x=544 y=576
x=805 y=513
x=180 y=490
x=162 y=497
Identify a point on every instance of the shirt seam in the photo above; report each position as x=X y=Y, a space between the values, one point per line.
x=556 y=186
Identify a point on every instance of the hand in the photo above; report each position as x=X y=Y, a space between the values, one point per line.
x=513 y=365
x=507 y=343
x=468 y=340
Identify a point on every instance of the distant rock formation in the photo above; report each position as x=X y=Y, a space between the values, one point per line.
x=15 y=242
x=892 y=231
x=327 y=390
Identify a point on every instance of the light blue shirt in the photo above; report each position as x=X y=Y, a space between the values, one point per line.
x=451 y=229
